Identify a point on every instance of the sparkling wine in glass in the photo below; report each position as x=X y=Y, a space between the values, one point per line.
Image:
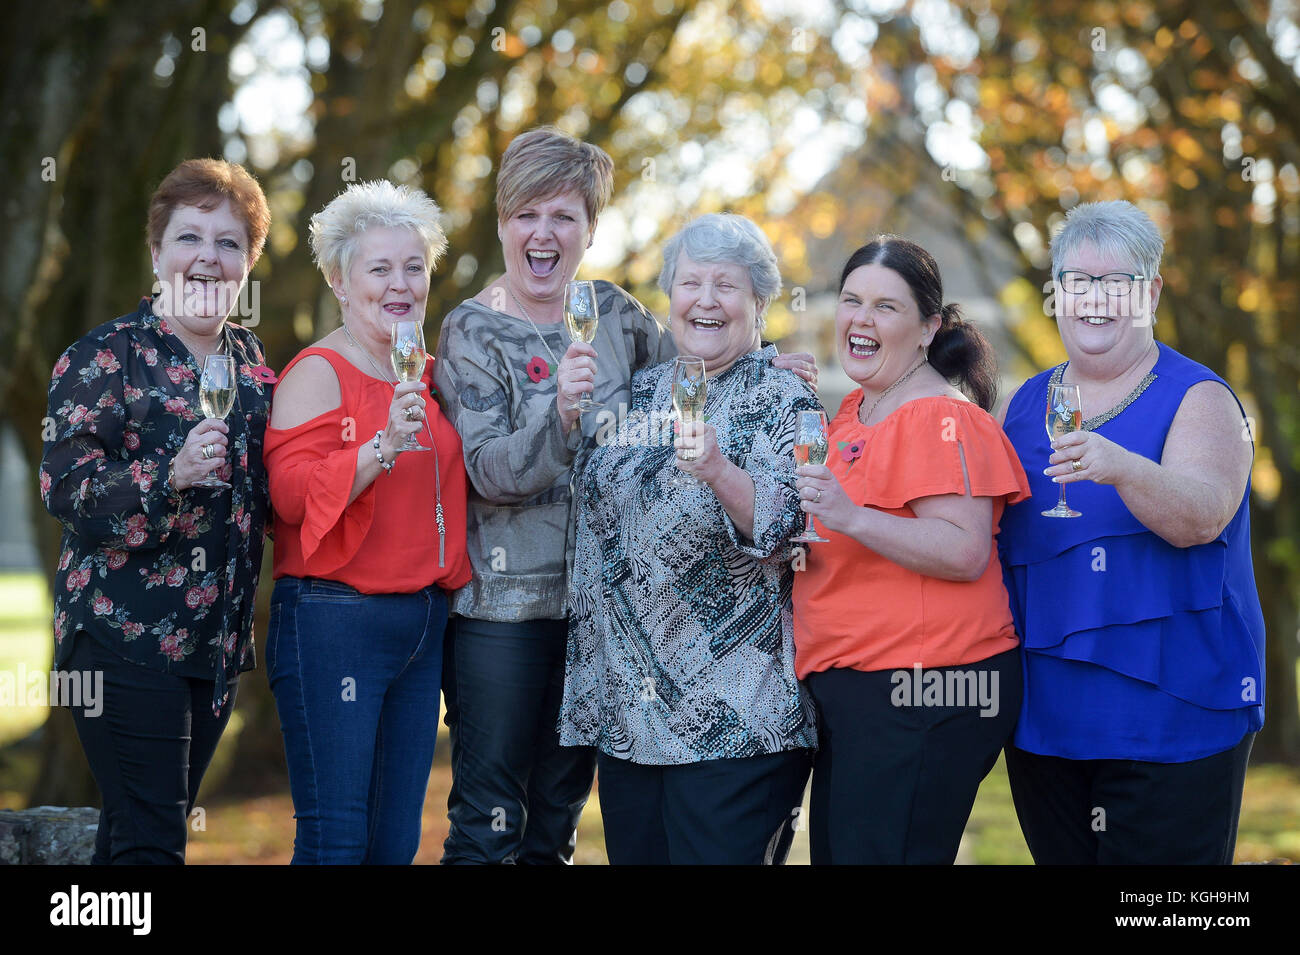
x=1064 y=414
x=216 y=397
x=690 y=387
x=581 y=316
x=811 y=446
x=408 y=363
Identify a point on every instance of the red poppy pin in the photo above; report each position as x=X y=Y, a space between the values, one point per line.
x=850 y=451
x=264 y=374
x=538 y=370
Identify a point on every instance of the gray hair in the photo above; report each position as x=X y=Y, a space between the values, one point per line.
x=1116 y=227
x=335 y=230
x=731 y=239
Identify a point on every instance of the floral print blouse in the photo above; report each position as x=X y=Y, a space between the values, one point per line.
x=164 y=579
x=681 y=640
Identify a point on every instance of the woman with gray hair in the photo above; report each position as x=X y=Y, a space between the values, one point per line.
x=1142 y=630
x=680 y=664
x=511 y=378
x=369 y=538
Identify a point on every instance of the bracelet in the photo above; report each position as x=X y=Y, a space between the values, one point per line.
x=386 y=465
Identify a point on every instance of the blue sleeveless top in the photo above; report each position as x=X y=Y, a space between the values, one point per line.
x=1132 y=648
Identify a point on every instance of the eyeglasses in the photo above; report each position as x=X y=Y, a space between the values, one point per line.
x=1113 y=284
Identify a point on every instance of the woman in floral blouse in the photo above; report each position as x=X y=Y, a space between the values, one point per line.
x=156 y=579
x=680 y=666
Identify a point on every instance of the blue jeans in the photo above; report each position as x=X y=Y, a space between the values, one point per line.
x=516 y=793
x=356 y=679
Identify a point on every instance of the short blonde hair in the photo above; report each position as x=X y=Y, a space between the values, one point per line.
x=545 y=162
x=336 y=228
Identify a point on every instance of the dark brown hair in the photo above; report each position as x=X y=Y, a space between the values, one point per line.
x=958 y=351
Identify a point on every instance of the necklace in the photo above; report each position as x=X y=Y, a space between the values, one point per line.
x=535 y=328
x=373 y=363
x=867 y=416
x=427 y=429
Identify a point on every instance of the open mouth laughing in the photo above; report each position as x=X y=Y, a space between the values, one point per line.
x=542 y=262
x=861 y=346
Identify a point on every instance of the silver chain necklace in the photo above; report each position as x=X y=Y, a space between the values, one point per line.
x=373 y=363
x=535 y=328
x=875 y=403
x=375 y=366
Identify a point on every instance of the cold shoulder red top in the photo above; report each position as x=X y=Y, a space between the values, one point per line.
x=386 y=541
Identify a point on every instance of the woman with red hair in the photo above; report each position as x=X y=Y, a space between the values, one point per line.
x=158 y=573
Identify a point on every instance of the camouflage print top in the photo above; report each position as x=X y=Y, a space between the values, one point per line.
x=498 y=382
x=165 y=579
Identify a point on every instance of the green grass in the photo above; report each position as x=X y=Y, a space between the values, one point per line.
x=26 y=638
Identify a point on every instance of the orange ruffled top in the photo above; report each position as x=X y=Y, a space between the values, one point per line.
x=386 y=541
x=858 y=610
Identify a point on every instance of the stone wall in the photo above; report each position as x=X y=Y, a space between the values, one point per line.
x=48 y=835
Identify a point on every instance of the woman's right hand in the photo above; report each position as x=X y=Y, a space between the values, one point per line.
x=577 y=376
x=408 y=394
x=189 y=465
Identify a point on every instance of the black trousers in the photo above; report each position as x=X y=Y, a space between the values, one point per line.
x=896 y=776
x=716 y=812
x=516 y=793
x=148 y=750
x=1129 y=812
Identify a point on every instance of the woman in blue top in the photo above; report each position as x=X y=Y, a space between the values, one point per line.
x=1143 y=634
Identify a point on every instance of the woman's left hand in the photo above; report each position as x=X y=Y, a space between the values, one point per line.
x=709 y=462
x=822 y=496
x=801 y=363
x=1087 y=456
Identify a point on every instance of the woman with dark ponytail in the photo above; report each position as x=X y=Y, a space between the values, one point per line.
x=903 y=632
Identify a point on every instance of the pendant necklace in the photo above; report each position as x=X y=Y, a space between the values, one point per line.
x=864 y=418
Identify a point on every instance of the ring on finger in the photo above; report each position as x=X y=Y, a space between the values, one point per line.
x=208 y=451
x=1076 y=465
x=818 y=498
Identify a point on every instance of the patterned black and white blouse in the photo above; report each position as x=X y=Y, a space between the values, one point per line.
x=165 y=579
x=681 y=645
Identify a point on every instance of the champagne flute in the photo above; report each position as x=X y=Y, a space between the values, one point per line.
x=408 y=360
x=581 y=315
x=216 y=397
x=811 y=446
x=690 y=387
x=1064 y=414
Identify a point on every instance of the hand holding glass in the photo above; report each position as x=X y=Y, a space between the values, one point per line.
x=581 y=316
x=811 y=446
x=216 y=397
x=690 y=387
x=1064 y=414
x=408 y=359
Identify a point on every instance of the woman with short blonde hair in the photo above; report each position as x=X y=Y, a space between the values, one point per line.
x=369 y=539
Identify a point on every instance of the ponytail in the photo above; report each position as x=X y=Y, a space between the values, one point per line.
x=961 y=353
